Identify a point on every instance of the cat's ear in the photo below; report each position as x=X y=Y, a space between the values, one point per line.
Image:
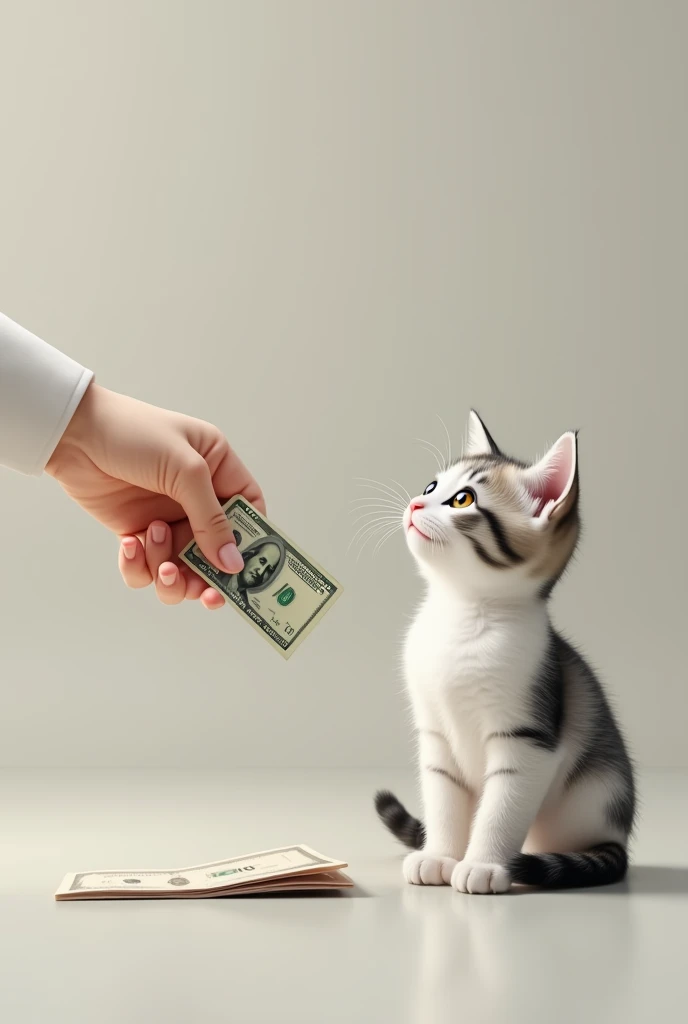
x=553 y=481
x=480 y=440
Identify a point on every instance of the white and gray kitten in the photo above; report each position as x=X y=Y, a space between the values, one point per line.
x=524 y=773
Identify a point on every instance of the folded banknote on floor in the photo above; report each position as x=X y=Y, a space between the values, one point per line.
x=288 y=869
x=281 y=591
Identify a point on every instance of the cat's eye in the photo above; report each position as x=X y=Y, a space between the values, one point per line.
x=463 y=499
x=430 y=488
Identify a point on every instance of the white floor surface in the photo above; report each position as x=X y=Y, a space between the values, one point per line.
x=386 y=952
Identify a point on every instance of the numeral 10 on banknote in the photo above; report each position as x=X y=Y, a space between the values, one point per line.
x=281 y=591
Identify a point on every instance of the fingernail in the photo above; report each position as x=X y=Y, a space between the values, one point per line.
x=129 y=548
x=168 y=575
x=230 y=558
x=158 y=533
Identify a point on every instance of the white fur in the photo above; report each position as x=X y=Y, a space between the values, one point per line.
x=470 y=658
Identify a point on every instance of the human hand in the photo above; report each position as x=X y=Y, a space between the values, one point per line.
x=154 y=477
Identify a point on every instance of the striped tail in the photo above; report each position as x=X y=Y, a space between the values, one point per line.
x=603 y=864
x=398 y=820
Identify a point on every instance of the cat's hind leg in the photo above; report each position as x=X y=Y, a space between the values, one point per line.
x=580 y=838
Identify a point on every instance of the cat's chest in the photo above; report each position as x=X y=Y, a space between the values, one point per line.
x=471 y=654
x=457 y=657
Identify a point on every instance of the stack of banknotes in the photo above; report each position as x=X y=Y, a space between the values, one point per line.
x=288 y=869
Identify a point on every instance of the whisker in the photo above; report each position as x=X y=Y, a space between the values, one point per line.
x=378 y=502
x=424 y=440
x=378 y=518
x=385 y=536
x=366 y=539
x=366 y=510
x=371 y=527
x=402 y=488
x=376 y=485
x=432 y=449
x=363 y=539
x=383 y=540
x=449 y=446
x=436 y=536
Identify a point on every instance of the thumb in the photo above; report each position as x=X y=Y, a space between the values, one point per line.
x=213 y=534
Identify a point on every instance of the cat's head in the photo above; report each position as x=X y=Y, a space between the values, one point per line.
x=491 y=525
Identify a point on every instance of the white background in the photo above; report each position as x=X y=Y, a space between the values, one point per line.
x=319 y=225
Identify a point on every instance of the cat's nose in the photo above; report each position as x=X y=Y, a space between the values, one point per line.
x=416 y=505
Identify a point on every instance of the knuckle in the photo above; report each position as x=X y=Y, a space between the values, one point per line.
x=186 y=471
x=218 y=520
x=193 y=466
x=213 y=525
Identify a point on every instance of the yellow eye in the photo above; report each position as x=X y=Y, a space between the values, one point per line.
x=463 y=499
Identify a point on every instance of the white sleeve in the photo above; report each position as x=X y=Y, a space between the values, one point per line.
x=40 y=389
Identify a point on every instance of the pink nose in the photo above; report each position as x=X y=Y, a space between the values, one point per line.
x=416 y=505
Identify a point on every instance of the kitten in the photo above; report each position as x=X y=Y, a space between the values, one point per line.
x=524 y=773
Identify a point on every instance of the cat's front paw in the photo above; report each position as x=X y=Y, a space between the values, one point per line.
x=425 y=868
x=474 y=877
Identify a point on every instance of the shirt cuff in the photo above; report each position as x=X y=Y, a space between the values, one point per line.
x=40 y=390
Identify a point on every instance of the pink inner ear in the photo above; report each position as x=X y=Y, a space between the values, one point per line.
x=551 y=478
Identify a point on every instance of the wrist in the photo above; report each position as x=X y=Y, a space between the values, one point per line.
x=79 y=428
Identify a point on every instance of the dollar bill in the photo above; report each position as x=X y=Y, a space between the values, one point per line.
x=281 y=591
x=284 y=869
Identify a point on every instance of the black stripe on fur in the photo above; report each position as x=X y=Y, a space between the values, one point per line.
x=483 y=555
x=604 y=752
x=547 y=700
x=500 y=771
x=404 y=826
x=499 y=535
x=620 y=811
x=538 y=737
x=603 y=864
x=455 y=778
x=547 y=694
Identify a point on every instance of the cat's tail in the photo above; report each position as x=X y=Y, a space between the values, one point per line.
x=603 y=864
x=398 y=820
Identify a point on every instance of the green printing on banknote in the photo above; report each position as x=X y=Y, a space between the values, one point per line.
x=281 y=591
